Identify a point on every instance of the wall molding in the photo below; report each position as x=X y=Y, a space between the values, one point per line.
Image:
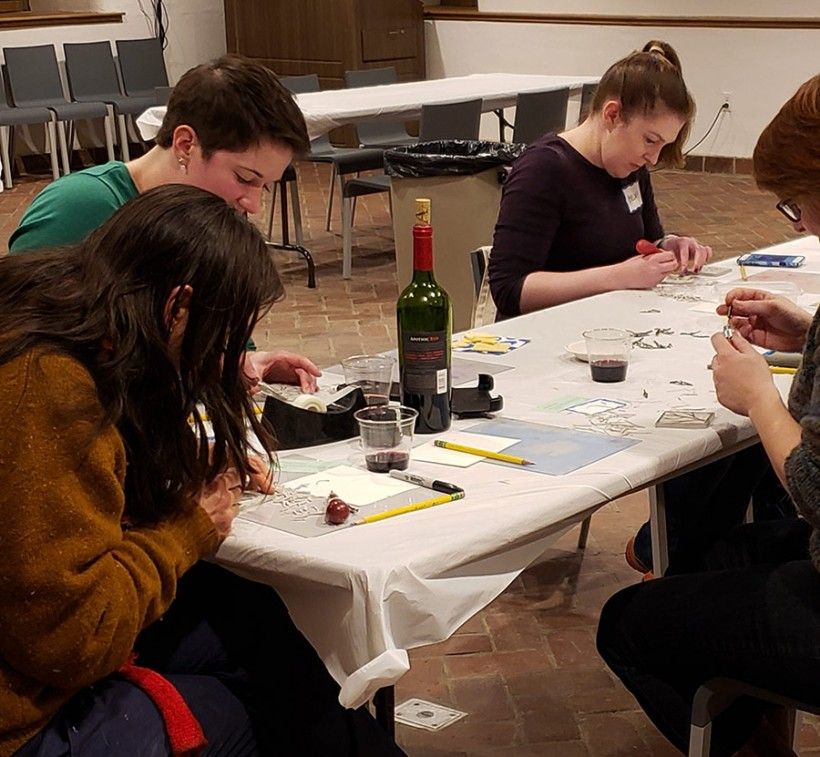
x=29 y=20
x=444 y=13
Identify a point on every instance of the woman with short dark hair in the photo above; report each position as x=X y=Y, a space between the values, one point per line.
x=230 y=128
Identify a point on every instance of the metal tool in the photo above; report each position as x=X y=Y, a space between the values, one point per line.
x=728 y=331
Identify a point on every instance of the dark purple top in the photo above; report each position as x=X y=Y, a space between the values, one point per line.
x=561 y=213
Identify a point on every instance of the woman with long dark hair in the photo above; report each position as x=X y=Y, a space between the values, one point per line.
x=110 y=354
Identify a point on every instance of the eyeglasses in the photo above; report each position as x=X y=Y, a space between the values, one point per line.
x=790 y=209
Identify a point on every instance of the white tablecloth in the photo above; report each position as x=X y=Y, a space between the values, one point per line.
x=330 y=108
x=364 y=595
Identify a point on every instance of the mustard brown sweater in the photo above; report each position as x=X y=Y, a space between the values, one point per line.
x=75 y=588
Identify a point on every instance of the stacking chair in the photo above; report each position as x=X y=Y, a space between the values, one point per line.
x=714 y=696
x=11 y=117
x=142 y=66
x=455 y=120
x=34 y=82
x=378 y=133
x=537 y=113
x=587 y=93
x=92 y=76
x=289 y=178
x=343 y=160
x=458 y=120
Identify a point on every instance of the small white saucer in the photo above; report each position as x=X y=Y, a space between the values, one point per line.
x=578 y=350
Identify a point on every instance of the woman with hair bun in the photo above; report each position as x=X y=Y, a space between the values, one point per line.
x=752 y=612
x=576 y=203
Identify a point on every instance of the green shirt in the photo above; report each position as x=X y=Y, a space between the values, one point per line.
x=69 y=209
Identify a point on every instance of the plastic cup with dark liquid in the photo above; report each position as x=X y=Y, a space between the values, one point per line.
x=387 y=436
x=608 y=353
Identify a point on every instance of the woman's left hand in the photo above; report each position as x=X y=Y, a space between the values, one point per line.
x=691 y=254
x=281 y=367
x=261 y=476
x=740 y=373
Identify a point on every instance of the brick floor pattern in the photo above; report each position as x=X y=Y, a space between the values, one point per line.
x=525 y=669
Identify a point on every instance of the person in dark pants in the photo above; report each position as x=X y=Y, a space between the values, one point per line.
x=253 y=682
x=751 y=615
x=752 y=611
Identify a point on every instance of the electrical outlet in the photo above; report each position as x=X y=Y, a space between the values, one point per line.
x=727 y=101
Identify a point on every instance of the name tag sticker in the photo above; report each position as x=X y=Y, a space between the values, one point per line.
x=632 y=195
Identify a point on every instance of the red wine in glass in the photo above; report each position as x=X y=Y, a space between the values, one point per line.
x=608 y=371
x=382 y=462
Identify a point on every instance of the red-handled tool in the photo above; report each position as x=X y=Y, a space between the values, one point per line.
x=645 y=247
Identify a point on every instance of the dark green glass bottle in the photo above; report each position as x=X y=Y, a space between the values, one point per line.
x=425 y=328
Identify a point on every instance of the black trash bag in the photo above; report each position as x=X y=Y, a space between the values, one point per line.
x=449 y=157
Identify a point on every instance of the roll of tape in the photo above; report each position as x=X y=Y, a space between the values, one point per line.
x=309 y=402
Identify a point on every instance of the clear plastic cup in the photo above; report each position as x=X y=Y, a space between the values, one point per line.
x=387 y=436
x=608 y=352
x=373 y=373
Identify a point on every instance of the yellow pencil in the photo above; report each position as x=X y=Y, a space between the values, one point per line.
x=483 y=453
x=782 y=369
x=423 y=505
x=743 y=274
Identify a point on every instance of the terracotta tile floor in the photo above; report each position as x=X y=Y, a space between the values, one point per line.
x=525 y=669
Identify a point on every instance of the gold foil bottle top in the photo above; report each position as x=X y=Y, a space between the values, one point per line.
x=423 y=211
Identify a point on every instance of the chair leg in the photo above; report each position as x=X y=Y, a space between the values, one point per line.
x=584 y=535
x=796 y=723
x=297 y=212
x=347 y=236
x=274 y=189
x=330 y=189
x=4 y=147
x=108 y=128
x=51 y=131
x=63 y=147
x=657 y=521
x=125 y=152
x=700 y=740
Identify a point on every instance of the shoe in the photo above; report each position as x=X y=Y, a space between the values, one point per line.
x=632 y=559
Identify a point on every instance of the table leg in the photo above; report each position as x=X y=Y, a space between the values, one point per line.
x=502 y=123
x=657 y=521
x=384 y=701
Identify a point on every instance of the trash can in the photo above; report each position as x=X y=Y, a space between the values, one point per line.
x=462 y=179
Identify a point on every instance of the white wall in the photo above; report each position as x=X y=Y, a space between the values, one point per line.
x=760 y=67
x=654 y=8
x=196 y=34
x=134 y=24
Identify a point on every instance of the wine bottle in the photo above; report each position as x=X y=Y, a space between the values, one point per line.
x=425 y=326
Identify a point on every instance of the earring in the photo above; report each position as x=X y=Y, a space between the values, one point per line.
x=183 y=165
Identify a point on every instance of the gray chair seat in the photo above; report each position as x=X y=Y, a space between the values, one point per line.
x=22 y=116
x=366 y=185
x=66 y=111
x=130 y=106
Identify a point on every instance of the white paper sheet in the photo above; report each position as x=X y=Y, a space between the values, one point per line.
x=429 y=453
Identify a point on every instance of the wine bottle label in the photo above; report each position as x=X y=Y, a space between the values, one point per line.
x=424 y=365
